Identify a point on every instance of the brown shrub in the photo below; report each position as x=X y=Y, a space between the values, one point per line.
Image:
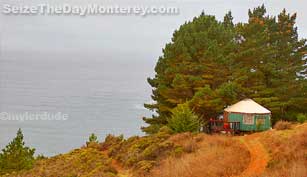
x=282 y=125
x=181 y=137
x=187 y=141
x=111 y=140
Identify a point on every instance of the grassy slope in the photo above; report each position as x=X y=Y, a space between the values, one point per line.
x=214 y=156
x=287 y=150
x=282 y=153
x=85 y=162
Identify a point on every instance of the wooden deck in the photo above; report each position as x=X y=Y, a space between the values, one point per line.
x=219 y=126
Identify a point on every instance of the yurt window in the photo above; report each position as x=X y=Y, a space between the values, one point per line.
x=248 y=119
x=260 y=120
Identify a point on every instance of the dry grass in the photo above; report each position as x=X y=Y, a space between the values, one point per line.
x=187 y=141
x=288 y=150
x=225 y=156
x=282 y=125
x=214 y=156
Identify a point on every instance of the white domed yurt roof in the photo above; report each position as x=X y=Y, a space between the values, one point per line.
x=247 y=106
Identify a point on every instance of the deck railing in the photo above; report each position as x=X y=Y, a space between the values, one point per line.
x=218 y=126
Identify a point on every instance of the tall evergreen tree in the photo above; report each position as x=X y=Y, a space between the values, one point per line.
x=271 y=59
x=291 y=55
x=195 y=61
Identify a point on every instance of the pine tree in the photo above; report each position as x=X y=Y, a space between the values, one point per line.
x=270 y=58
x=92 y=139
x=197 y=58
x=291 y=54
x=183 y=119
x=228 y=20
x=16 y=156
x=255 y=68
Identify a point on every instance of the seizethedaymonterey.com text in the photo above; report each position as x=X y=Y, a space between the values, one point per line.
x=86 y=10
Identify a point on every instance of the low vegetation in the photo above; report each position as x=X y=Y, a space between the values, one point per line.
x=178 y=155
x=208 y=156
x=147 y=156
x=301 y=118
x=288 y=151
x=84 y=162
x=140 y=153
x=282 y=125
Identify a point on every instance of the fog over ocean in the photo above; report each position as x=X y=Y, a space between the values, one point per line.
x=98 y=96
x=92 y=68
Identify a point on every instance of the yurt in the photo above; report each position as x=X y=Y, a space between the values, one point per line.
x=251 y=115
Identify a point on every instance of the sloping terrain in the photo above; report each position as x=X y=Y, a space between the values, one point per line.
x=287 y=150
x=213 y=156
x=277 y=153
x=271 y=153
x=84 y=162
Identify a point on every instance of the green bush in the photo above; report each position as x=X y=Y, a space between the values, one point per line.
x=16 y=156
x=184 y=120
x=301 y=118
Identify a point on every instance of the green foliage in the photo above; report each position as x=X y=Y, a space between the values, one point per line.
x=184 y=120
x=301 y=118
x=16 y=156
x=92 y=138
x=212 y=64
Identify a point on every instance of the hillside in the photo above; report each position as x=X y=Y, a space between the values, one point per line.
x=270 y=153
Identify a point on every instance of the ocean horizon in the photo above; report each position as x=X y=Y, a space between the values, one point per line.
x=99 y=94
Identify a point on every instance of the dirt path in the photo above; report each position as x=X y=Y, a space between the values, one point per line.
x=258 y=154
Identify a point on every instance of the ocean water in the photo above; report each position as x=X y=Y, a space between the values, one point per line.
x=99 y=94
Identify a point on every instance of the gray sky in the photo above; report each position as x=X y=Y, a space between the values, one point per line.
x=143 y=37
